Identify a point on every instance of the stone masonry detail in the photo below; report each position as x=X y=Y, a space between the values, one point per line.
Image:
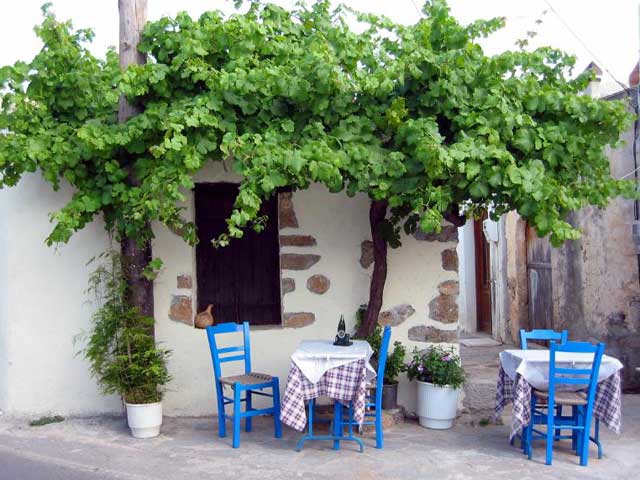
x=185 y=281
x=288 y=285
x=431 y=334
x=297 y=241
x=298 y=319
x=318 y=284
x=286 y=213
x=444 y=308
x=181 y=309
x=298 y=261
x=396 y=315
x=450 y=259
x=366 y=254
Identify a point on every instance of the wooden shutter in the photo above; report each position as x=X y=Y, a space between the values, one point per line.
x=242 y=280
x=539 y=278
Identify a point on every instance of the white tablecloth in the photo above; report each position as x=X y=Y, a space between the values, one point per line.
x=315 y=357
x=533 y=366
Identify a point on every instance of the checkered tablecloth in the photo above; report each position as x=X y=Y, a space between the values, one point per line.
x=607 y=406
x=345 y=383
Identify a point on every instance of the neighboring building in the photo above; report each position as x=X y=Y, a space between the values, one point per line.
x=292 y=282
x=590 y=286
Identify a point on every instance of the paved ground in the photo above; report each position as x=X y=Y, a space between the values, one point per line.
x=83 y=449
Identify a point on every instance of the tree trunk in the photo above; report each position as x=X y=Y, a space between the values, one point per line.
x=377 y=213
x=136 y=254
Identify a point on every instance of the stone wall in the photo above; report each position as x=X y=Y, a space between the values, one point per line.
x=595 y=284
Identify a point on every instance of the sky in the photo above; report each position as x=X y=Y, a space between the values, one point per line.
x=604 y=31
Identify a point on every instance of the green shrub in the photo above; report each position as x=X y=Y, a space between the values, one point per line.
x=395 y=359
x=436 y=365
x=46 y=420
x=121 y=349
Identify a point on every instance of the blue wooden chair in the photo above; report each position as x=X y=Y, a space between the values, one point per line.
x=250 y=383
x=542 y=334
x=373 y=402
x=538 y=334
x=581 y=402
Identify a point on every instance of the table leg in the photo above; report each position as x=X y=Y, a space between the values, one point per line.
x=337 y=424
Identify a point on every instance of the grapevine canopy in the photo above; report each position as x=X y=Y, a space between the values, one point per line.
x=415 y=115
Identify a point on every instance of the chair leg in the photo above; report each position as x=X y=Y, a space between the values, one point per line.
x=574 y=433
x=597 y=438
x=222 y=419
x=277 y=425
x=237 y=415
x=312 y=409
x=337 y=424
x=248 y=406
x=550 y=431
x=379 y=432
x=584 y=437
x=527 y=431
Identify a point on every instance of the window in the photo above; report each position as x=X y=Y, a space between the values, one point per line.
x=241 y=280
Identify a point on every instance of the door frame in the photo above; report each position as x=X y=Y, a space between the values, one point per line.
x=481 y=247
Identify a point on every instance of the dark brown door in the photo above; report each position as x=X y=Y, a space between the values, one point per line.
x=539 y=281
x=241 y=280
x=483 y=278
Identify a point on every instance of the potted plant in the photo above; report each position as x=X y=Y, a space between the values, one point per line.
x=122 y=351
x=394 y=366
x=440 y=376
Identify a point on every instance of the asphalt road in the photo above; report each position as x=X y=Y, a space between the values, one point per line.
x=17 y=467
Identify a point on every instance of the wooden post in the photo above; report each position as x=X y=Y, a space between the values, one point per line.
x=136 y=252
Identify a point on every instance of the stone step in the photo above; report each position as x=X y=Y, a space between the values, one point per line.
x=390 y=418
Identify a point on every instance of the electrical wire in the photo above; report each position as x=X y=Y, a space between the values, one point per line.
x=416 y=7
x=584 y=45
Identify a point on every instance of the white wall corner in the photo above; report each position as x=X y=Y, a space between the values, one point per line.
x=467 y=278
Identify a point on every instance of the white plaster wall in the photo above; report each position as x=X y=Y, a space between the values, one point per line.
x=4 y=321
x=43 y=307
x=467 y=299
x=43 y=302
x=339 y=225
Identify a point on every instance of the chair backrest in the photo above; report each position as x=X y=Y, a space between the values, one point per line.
x=538 y=334
x=229 y=354
x=382 y=358
x=575 y=375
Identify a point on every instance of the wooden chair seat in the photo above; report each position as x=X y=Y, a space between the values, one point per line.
x=252 y=378
x=563 y=398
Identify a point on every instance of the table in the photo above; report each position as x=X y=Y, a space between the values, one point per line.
x=523 y=370
x=319 y=368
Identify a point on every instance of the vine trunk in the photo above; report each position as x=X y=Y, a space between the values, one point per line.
x=377 y=214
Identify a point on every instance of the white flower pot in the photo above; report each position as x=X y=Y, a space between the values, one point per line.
x=144 y=419
x=437 y=405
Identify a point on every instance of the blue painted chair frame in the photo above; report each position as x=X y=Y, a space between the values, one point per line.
x=375 y=401
x=537 y=334
x=563 y=337
x=542 y=334
x=580 y=421
x=240 y=353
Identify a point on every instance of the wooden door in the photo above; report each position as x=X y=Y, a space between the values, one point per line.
x=483 y=278
x=539 y=281
x=242 y=280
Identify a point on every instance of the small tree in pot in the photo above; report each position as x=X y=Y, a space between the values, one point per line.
x=122 y=351
x=440 y=376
